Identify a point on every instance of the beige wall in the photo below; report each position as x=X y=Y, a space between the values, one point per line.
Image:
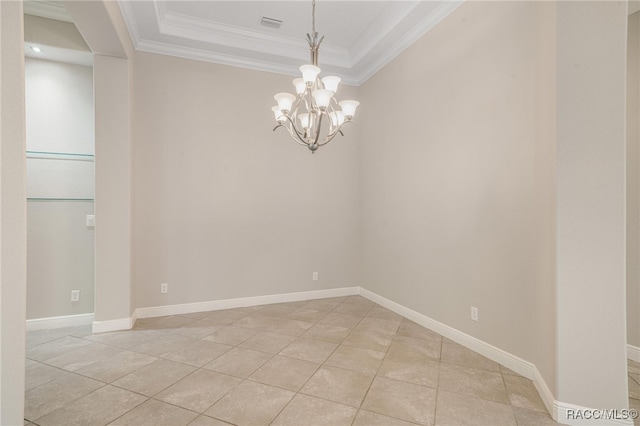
x=456 y=201
x=633 y=180
x=13 y=252
x=224 y=207
x=53 y=33
x=590 y=169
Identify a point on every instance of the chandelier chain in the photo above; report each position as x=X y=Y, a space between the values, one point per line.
x=313 y=16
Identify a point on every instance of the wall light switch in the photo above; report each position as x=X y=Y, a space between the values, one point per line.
x=75 y=295
x=164 y=288
x=91 y=221
x=315 y=276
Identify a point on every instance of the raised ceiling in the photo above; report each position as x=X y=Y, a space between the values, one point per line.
x=360 y=36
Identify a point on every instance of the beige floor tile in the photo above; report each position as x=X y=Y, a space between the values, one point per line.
x=411 y=349
x=411 y=329
x=635 y=377
x=29 y=362
x=401 y=400
x=356 y=359
x=224 y=317
x=97 y=408
x=523 y=394
x=472 y=381
x=55 y=348
x=309 y=350
x=198 y=353
x=207 y=421
x=367 y=339
x=171 y=322
x=251 y=403
x=341 y=320
x=197 y=330
x=276 y=310
x=256 y=321
x=290 y=327
x=322 y=305
x=163 y=345
x=462 y=410
x=420 y=372
x=633 y=366
x=384 y=313
x=125 y=339
x=307 y=410
x=379 y=325
x=198 y=391
x=231 y=335
x=338 y=385
x=155 y=413
x=265 y=341
x=238 y=362
x=634 y=389
x=308 y=315
x=369 y=418
x=353 y=309
x=526 y=417
x=327 y=333
x=452 y=353
x=286 y=373
x=358 y=300
x=38 y=337
x=38 y=374
x=154 y=377
x=83 y=356
x=505 y=370
x=109 y=369
x=57 y=393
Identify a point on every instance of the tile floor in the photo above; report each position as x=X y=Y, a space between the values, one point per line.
x=338 y=361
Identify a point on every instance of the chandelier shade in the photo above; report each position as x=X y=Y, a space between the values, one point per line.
x=313 y=116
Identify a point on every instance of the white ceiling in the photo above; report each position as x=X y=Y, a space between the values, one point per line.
x=361 y=36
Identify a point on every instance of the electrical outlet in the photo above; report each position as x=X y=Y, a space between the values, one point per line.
x=315 y=276
x=164 y=288
x=474 y=313
x=75 y=295
x=90 y=221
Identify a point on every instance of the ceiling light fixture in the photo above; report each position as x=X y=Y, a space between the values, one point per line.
x=304 y=114
x=36 y=49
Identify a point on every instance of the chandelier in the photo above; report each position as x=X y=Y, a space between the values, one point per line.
x=304 y=114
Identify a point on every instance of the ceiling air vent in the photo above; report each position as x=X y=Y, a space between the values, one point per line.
x=270 y=22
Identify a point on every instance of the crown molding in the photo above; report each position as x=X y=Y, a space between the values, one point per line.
x=47 y=9
x=170 y=33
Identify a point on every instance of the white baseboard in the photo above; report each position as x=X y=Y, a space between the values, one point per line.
x=519 y=365
x=59 y=322
x=114 y=325
x=633 y=353
x=558 y=410
x=215 y=305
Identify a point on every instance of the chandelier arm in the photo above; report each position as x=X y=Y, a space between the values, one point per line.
x=315 y=142
x=330 y=137
x=295 y=129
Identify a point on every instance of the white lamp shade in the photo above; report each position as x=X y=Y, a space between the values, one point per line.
x=278 y=113
x=331 y=83
x=337 y=118
x=349 y=108
x=309 y=73
x=285 y=101
x=322 y=97
x=300 y=86
x=304 y=120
